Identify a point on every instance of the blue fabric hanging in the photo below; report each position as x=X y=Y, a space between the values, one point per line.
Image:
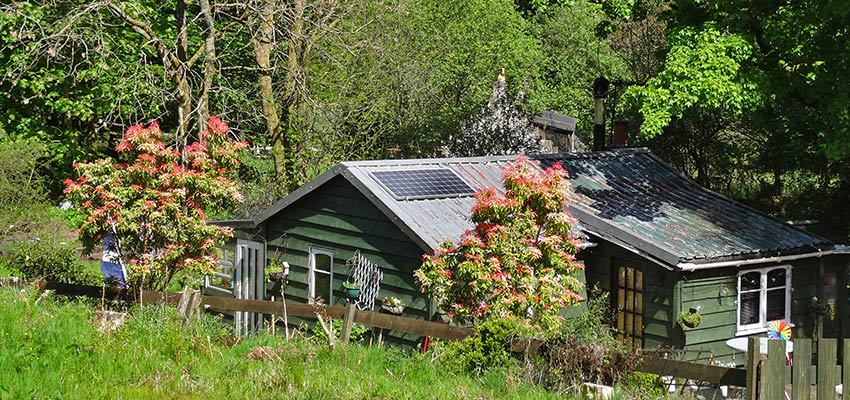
x=110 y=262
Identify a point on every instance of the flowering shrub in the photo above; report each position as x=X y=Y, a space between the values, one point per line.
x=518 y=261
x=155 y=201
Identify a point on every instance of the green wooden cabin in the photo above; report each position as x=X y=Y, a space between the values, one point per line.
x=655 y=240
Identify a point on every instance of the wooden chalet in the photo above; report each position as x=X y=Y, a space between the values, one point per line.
x=659 y=243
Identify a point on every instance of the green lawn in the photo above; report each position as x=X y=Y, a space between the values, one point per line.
x=50 y=349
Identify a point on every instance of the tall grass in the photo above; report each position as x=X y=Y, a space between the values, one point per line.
x=50 y=349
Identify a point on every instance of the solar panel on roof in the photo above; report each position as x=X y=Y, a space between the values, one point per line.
x=423 y=183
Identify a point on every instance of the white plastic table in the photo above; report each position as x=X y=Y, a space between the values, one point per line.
x=740 y=344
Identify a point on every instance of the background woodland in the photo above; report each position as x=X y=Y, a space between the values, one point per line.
x=748 y=98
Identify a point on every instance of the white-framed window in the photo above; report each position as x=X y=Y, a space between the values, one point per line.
x=321 y=275
x=764 y=295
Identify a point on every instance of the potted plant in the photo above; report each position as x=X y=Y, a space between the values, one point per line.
x=276 y=270
x=393 y=305
x=351 y=289
x=690 y=319
x=822 y=308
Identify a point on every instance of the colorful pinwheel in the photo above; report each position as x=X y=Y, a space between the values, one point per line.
x=779 y=329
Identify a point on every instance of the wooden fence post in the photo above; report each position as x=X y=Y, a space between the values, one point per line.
x=347 y=323
x=190 y=299
x=801 y=371
x=753 y=356
x=773 y=378
x=826 y=368
x=845 y=368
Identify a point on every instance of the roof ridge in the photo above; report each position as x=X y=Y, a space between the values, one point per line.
x=613 y=153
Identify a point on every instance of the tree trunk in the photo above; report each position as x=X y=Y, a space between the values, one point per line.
x=284 y=141
x=210 y=64
x=184 y=93
x=263 y=45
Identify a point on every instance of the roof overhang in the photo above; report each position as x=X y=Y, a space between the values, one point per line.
x=339 y=170
x=296 y=194
x=818 y=253
x=234 y=223
x=600 y=228
x=389 y=213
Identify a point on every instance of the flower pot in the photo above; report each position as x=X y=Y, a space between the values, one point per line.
x=277 y=277
x=352 y=293
x=689 y=324
x=397 y=310
x=689 y=319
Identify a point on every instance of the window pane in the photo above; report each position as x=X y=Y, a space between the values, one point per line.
x=323 y=287
x=776 y=304
x=749 y=308
x=323 y=262
x=776 y=278
x=751 y=281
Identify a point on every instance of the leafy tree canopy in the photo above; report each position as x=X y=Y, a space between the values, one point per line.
x=155 y=202
x=703 y=68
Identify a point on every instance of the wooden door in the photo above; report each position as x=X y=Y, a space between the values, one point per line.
x=628 y=303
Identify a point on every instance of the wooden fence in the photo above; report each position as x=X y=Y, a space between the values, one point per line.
x=768 y=377
x=765 y=378
x=349 y=315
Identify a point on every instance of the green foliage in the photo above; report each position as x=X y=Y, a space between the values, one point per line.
x=20 y=183
x=393 y=79
x=573 y=57
x=50 y=349
x=359 y=332
x=155 y=205
x=643 y=385
x=703 y=68
x=595 y=324
x=51 y=262
x=64 y=94
x=256 y=179
x=689 y=319
x=421 y=70
x=586 y=350
x=487 y=348
x=518 y=262
x=23 y=208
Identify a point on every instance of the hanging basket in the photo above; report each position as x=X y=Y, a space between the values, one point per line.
x=278 y=277
x=690 y=319
x=352 y=293
x=397 y=310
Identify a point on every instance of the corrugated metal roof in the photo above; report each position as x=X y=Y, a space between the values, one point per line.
x=638 y=194
x=628 y=196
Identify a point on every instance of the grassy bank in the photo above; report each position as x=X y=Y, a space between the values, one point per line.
x=50 y=349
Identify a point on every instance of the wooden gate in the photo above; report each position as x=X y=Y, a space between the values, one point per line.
x=240 y=274
x=628 y=301
x=249 y=282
